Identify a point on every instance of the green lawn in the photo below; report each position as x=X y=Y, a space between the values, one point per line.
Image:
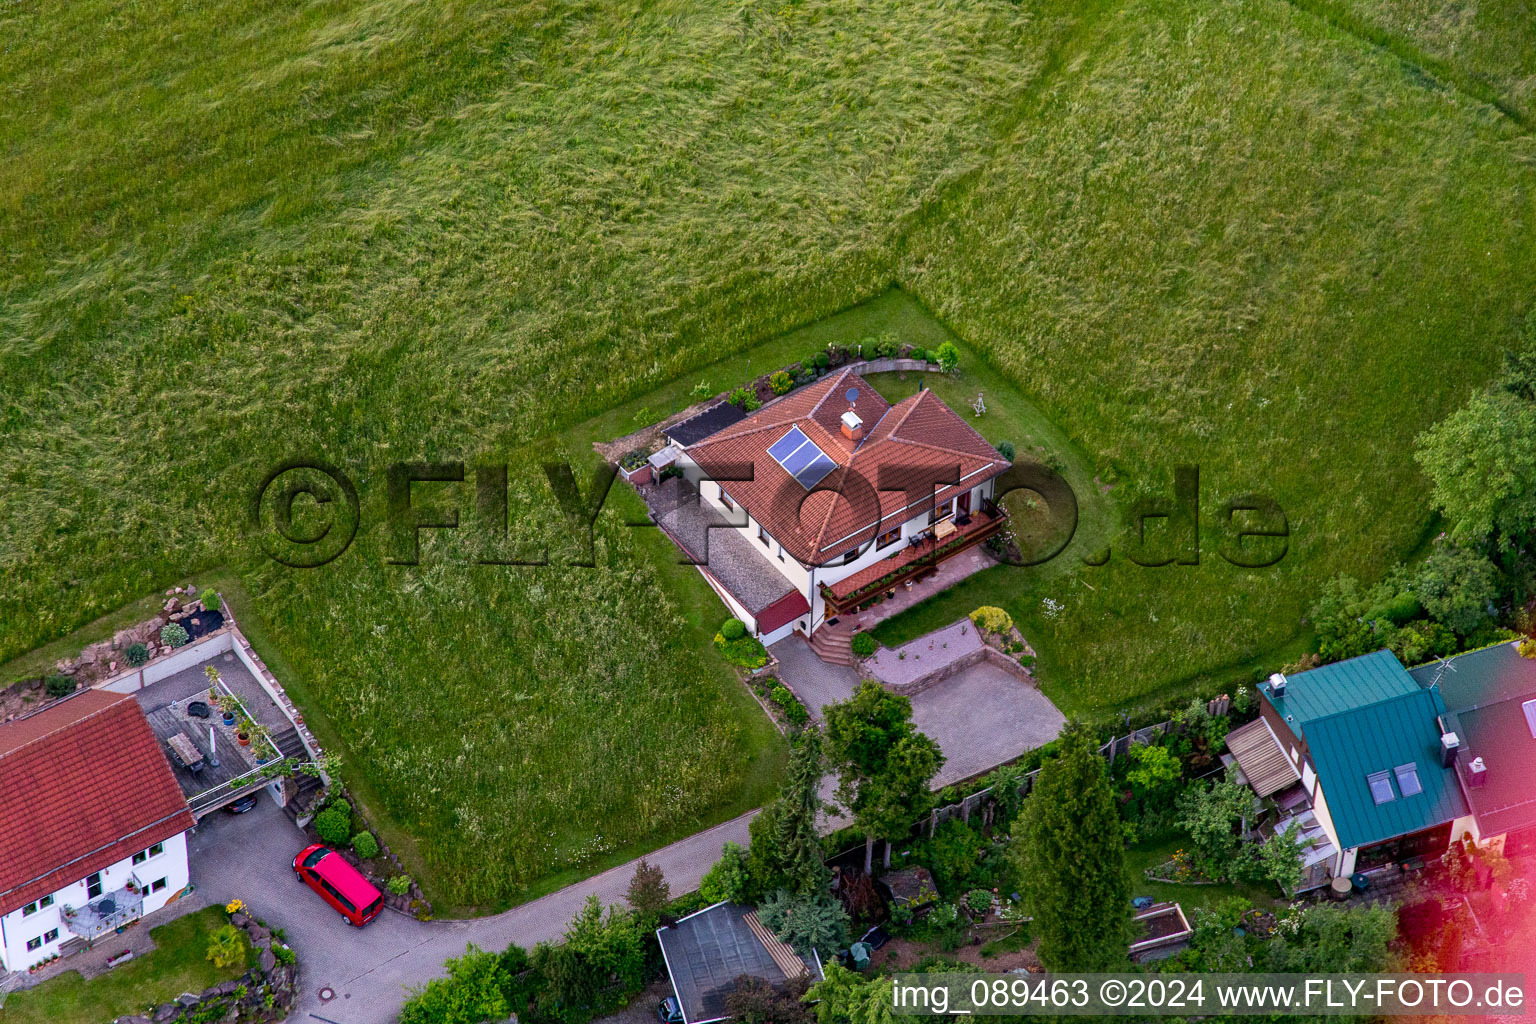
x=1231 y=234
x=179 y=964
x=1191 y=897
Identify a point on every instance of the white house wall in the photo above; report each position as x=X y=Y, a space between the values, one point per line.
x=170 y=864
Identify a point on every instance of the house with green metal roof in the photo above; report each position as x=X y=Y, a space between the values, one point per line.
x=1490 y=701
x=1366 y=740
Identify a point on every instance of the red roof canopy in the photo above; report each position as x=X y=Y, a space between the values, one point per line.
x=83 y=785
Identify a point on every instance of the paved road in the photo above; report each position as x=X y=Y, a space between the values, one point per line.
x=371 y=969
x=980 y=718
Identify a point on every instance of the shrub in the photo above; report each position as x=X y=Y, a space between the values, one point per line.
x=864 y=644
x=992 y=619
x=733 y=629
x=920 y=354
x=744 y=399
x=399 y=885
x=823 y=360
x=702 y=390
x=886 y=348
x=284 y=954
x=1005 y=449
x=365 y=845
x=212 y=601
x=137 y=654
x=804 y=922
x=59 y=685
x=952 y=855
x=747 y=651
x=727 y=880
x=978 y=901
x=226 y=947
x=947 y=356
x=781 y=382
x=334 y=824
x=793 y=709
x=173 y=635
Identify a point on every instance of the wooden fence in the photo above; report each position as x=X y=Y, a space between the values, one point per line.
x=984 y=801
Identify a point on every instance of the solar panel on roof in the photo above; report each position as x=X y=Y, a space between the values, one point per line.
x=811 y=475
x=802 y=457
x=782 y=448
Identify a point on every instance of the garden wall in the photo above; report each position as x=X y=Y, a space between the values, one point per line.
x=960 y=664
x=200 y=650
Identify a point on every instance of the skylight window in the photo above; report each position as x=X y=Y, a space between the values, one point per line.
x=1381 y=787
x=1408 y=779
x=801 y=458
x=1529 y=707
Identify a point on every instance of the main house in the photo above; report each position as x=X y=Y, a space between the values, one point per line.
x=92 y=826
x=828 y=497
x=1396 y=766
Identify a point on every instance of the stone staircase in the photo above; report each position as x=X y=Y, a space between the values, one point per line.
x=289 y=745
x=833 y=644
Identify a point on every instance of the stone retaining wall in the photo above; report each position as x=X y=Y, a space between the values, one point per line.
x=244 y=999
x=983 y=654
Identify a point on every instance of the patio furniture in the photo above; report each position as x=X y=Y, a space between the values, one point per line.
x=186 y=752
x=944 y=529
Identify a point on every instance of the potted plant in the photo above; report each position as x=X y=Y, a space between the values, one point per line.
x=243 y=731
x=228 y=705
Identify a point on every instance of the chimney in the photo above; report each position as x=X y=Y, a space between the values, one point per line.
x=1449 y=744
x=1477 y=772
x=853 y=427
x=1277 y=685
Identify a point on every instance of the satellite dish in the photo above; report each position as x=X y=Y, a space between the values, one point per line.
x=852 y=395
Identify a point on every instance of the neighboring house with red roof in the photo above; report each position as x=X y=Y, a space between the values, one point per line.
x=831 y=496
x=92 y=826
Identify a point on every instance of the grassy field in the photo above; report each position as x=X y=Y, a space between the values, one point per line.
x=178 y=964
x=1231 y=234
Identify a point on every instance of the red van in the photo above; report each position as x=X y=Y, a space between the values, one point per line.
x=339 y=883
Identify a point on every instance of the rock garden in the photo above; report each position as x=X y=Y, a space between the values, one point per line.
x=187 y=615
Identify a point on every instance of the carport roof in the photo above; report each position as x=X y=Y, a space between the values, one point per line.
x=706 y=952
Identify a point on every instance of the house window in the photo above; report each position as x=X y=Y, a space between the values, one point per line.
x=725 y=499
x=851 y=556
x=157 y=849
x=34 y=944
x=93 y=886
x=157 y=885
x=1408 y=779
x=141 y=857
x=51 y=935
x=889 y=537
x=46 y=901
x=29 y=910
x=1381 y=787
x=762 y=534
x=781 y=554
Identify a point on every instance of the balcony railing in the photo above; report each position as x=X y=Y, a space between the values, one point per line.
x=916 y=560
x=106 y=913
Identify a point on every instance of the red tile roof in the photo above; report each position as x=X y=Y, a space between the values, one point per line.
x=83 y=784
x=907 y=445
